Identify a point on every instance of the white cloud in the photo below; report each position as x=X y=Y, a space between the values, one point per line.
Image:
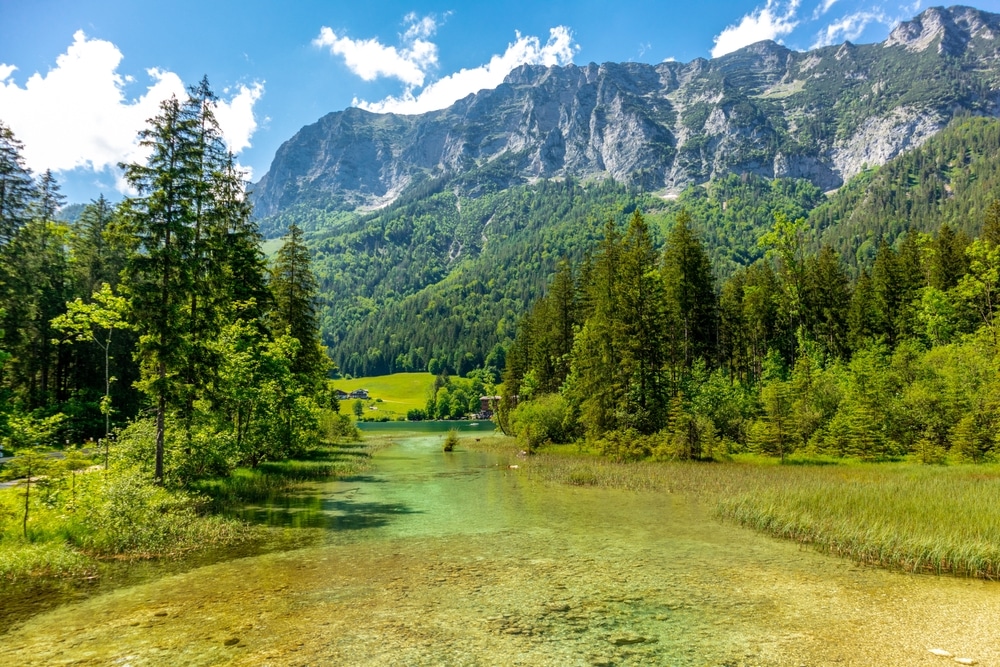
x=370 y=59
x=236 y=119
x=525 y=50
x=823 y=8
x=850 y=27
x=77 y=115
x=767 y=22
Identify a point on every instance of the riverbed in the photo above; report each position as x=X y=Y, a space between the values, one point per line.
x=455 y=558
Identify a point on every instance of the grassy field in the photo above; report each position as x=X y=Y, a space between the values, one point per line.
x=904 y=516
x=400 y=393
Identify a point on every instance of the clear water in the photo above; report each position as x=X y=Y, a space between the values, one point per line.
x=451 y=559
x=485 y=426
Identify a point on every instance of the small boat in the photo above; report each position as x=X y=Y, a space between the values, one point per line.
x=474 y=424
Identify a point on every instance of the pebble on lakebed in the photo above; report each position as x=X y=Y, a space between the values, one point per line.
x=628 y=638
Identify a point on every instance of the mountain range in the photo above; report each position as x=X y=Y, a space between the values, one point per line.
x=408 y=216
x=822 y=115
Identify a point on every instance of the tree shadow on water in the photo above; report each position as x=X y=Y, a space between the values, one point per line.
x=311 y=511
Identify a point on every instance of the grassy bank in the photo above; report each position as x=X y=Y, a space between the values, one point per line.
x=910 y=517
x=79 y=524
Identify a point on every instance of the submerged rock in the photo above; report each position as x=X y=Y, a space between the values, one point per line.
x=627 y=639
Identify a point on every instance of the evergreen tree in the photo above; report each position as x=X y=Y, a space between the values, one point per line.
x=159 y=276
x=643 y=331
x=95 y=260
x=293 y=287
x=17 y=190
x=948 y=260
x=598 y=378
x=827 y=300
x=690 y=294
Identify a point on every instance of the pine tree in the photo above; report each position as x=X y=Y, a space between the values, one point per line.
x=690 y=294
x=17 y=190
x=598 y=380
x=643 y=330
x=293 y=287
x=159 y=276
x=826 y=300
x=991 y=224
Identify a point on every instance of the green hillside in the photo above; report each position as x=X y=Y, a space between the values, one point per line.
x=390 y=395
x=443 y=275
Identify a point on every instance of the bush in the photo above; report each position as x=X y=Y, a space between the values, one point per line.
x=339 y=428
x=625 y=445
x=542 y=420
x=451 y=440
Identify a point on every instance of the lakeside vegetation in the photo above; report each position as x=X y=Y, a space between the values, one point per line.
x=81 y=524
x=155 y=367
x=902 y=516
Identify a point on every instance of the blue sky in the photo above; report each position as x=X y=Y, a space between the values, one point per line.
x=79 y=77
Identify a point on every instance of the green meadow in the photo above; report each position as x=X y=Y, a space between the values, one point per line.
x=399 y=393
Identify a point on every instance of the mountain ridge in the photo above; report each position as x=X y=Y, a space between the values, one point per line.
x=824 y=115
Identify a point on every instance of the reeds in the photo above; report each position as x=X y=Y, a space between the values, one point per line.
x=903 y=516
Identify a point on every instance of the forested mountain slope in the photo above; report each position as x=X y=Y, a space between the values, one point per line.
x=430 y=233
x=446 y=277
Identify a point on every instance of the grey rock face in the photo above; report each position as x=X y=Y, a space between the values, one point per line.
x=822 y=115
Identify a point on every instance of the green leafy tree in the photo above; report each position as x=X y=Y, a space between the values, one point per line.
x=29 y=465
x=97 y=321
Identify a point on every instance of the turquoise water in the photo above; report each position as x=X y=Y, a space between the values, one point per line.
x=457 y=558
x=485 y=427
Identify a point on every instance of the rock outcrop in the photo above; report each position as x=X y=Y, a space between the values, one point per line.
x=823 y=115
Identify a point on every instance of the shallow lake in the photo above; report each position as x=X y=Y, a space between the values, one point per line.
x=452 y=559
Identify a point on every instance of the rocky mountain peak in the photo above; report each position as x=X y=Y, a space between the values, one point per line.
x=952 y=29
x=764 y=109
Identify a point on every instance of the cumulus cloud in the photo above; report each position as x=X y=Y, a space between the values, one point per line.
x=849 y=27
x=525 y=50
x=77 y=115
x=236 y=119
x=823 y=8
x=767 y=22
x=370 y=59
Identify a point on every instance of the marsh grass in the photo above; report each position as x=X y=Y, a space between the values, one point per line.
x=272 y=480
x=903 y=516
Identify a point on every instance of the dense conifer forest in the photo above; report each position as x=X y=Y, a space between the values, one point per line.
x=647 y=354
x=159 y=313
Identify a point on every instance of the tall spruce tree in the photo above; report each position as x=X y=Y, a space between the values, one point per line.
x=690 y=292
x=293 y=287
x=643 y=330
x=159 y=274
x=17 y=189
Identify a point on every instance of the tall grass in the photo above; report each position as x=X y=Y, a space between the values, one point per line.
x=903 y=516
x=273 y=479
x=916 y=519
x=121 y=515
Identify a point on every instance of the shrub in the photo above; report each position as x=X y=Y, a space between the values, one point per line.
x=451 y=440
x=542 y=420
